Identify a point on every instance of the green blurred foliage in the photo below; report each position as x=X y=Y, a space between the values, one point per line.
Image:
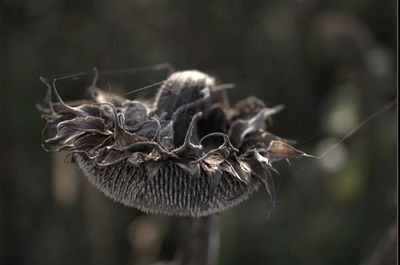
x=332 y=63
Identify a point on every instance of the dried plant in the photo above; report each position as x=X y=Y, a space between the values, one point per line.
x=188 y=153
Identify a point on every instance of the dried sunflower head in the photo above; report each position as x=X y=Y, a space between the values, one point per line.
x=188 y=153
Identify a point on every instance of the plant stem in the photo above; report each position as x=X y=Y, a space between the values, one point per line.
x=202 y=240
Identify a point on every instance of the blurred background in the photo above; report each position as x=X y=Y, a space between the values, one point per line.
x=332 y=63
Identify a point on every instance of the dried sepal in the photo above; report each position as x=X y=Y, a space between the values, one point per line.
x=278 y=150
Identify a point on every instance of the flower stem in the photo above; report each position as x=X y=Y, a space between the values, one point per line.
x=201 y=244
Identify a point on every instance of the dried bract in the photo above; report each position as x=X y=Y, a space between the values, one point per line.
x=187 y=153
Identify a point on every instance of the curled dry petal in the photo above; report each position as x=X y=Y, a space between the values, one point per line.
x=187 y=154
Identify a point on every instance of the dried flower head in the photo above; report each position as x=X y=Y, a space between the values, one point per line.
x=187 y=153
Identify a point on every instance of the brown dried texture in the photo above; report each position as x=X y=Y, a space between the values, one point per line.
x=188 y=154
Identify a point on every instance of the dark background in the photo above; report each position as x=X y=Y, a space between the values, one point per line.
x=332 y=63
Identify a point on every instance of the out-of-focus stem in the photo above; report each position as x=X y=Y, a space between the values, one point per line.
x=202 y=242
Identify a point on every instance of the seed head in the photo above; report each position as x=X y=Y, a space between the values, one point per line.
x=187 y=153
